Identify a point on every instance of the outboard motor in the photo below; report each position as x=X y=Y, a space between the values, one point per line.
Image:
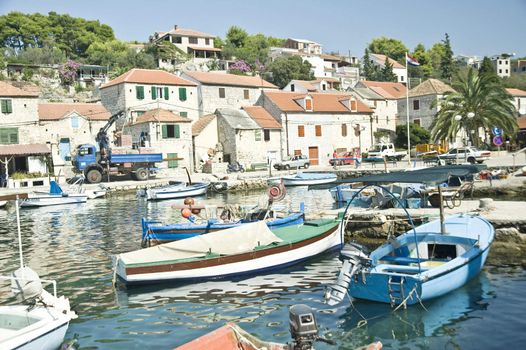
x=303 y=328
x=27 y=286
x=354 y=260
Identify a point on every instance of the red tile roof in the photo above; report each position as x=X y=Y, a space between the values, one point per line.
x=10 y=90
x=149 y=76
x=213 y=78
x=516 y=92
x=321 y=102
x=387 y=90
x=431 y=87
x=381 y=60
x=188 y=32
x=262 y=117
x=24 y=150
x=201 y=123
x=160 y=115
x=57 y=111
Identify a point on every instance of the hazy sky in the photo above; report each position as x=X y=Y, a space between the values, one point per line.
x=476 y=27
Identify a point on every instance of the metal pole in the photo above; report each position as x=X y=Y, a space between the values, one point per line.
x=407 y=112
x=442 y=225
x=19 y=233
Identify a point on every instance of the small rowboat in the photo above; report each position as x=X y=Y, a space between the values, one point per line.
x=177 y=190
x=307 y=179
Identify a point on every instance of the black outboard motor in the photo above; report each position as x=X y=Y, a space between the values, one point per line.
x=235 y=167
x=303 y=328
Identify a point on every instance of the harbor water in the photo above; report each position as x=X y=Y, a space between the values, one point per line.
x=74 y=244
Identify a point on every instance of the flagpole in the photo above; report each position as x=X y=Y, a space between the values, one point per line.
x=407 y=111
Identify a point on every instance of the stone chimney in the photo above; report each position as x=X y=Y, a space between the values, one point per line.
x=175 y=26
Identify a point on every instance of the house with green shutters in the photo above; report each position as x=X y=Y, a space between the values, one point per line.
x=140 y=90
x=163 y=131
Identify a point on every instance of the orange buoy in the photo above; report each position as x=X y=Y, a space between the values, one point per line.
x=189 y=201
x=186 y=213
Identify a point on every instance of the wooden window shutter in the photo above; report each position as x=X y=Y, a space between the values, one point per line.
x=166 y=93
x=177 y=132
x=182 y=94
x=183 y=114
x=308 y=104
x=301 y=131
x=154 y=93
x=139 y=92
x=318 y=130
x=353 y=105
x=344 y=130
x=164 y=131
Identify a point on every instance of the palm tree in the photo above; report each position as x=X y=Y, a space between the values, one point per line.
x=481 y=102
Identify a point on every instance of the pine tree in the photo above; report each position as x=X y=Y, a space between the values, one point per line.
x=387 y=74
x=486 y=67
x=368 y=67
x=447 y=67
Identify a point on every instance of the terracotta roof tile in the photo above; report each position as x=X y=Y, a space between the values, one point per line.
x=387 y=90
x=330 y=57
x=212 y=78
x=160 y=115
x=321 y=102
x=328 y=79
x=188 y=32
x=305 y=84
x=381 y=60
x=516 y=92
x=431 y=87
x=24 y=150
x=9 y=90
x=201 y=123
x=57 y=111
x=262 y=117
x=149 y=76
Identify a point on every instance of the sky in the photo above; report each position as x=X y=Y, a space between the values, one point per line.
x=475 y=27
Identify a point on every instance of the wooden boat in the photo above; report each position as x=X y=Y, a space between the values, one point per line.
x=307 y=179
x=424 y=263
x=55 y=196
x=240 y=250
x=177 y=190
x=154 y=232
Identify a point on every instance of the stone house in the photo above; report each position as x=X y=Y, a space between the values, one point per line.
x=317 y=124
x=205 y=140
x=197 y=45
x=243 y=139
x=424 y=103
x=398 y=68
x=223 y=90
x=162 y=131
x=21 y=149
x=502 y=65
x=140 y=90
x=382 y=98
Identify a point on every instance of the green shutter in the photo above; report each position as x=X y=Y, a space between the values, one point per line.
x=7 y=106
x=258 y=135
x=183 y=114
x=154 y=93
x=139 y=92
x=164 y=131
x=182 y=94
x=177 y=131
x=4 y=107
x=166 y=93
x=172 y=163
x=9 y=136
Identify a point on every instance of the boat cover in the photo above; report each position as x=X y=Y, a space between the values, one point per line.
x=236 y=240
x=54 y=188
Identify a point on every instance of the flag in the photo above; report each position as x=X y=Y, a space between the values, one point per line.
x=411 y=60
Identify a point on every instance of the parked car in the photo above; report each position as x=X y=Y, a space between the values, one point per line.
x=385 y=150
x=343 y=159
x=469 y=154
x=299 y=161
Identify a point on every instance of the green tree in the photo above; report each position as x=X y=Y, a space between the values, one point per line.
x=417 y=136
x=236 y=37
x=425 y=70
x=387 y=74
x=392 y=48
x=515 y=80
x=486 y=67
x=447 y=66
x=284 y=69
x=485 y=97
x=368 y=66
x=436 y=52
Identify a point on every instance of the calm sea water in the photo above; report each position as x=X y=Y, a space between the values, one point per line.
x=74 y=245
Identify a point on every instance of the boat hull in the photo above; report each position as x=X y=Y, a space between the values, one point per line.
x=48 y=200
x=177 y=191
x=308 y=180
x=155 y=234
x=255 y=261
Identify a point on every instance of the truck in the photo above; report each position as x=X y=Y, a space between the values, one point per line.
x=385 y=150
x=297 y=161
x=94 y=165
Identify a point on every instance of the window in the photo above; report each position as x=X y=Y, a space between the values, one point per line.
x=7 y=106
x=292 y=87
x=506 y=71
x=317 y=129
x=207 y=41
x=416 y=105
x=500 y=62
x=301 y=131
x=323 y=87
x=308 y=104
x=139 y=92
x=417 y=122
x=182 y=94
x=376 y=119
x=74 y=121
x=344 y=130
x=221 y=92
x=387 y=119
x=8 y=136
x=183 y=114
x=166 y=93
x=172 y=163
x=500 y=70
x=246 y=94
x=192 y=40
x=506 y=62
x=257 y=135
x=170 y=131
x=139 y=113
x=157 y=92
x=177 y=40
x=266 y=135
x=401 y=78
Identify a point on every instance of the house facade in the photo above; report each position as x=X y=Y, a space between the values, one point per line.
x=223 y=90
x=243 y=140
x=519 y=100
x=398 y=69
x=162 y=131
x=205 y=140
x=502 y=64
x=317 y=124
x=140 y=90
x=304 y=46
x=424 y=103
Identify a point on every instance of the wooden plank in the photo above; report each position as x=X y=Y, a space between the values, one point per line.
x=12 y=197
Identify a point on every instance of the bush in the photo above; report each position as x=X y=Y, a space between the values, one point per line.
x=418 y=135
x=21 y=176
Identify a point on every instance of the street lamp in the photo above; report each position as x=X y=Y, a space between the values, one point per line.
x=464 y=121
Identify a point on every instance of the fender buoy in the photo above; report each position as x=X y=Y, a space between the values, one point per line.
x=187 y=214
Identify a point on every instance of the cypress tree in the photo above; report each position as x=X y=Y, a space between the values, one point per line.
x=447 y=67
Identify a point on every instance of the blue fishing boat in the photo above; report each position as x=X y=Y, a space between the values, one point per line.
x=154 y=232
x=425 y=262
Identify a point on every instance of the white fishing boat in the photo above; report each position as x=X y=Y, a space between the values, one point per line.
x=307 y=179
x=55 y=196
x=177 y=190
x=41 y=319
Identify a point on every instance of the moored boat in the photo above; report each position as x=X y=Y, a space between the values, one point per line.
x=241 y=250
x=3 y=204
x=307 y=179
x=177 y=190
x=55 y=196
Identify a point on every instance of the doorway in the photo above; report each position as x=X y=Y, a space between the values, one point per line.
x=313 y=156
